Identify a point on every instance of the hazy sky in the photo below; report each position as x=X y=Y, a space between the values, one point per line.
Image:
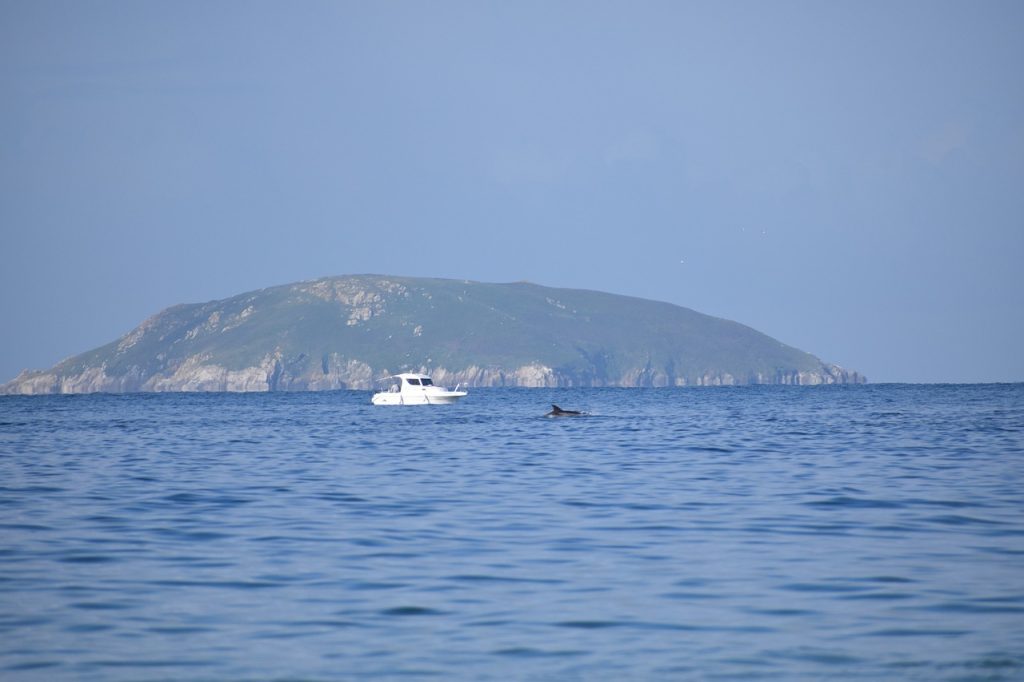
x=847 y=177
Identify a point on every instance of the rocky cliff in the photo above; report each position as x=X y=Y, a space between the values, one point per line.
x=348 y=332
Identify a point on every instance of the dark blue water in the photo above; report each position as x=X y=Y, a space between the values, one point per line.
x=862 y=532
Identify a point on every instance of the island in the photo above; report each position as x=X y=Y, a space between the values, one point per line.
x=347 y=332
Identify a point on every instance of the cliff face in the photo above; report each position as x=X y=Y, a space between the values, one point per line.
x=195 y=375
x=348 y=332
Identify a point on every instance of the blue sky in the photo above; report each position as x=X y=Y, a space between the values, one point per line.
x=846 y=177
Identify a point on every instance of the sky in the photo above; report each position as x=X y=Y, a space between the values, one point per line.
x=847 y=177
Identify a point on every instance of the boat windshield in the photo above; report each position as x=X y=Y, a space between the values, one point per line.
x=428 y=382
x=414 y=382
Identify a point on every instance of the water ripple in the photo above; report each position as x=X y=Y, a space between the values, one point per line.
x=869 y=532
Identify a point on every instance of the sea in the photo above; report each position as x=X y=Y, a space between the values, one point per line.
x=733 y=533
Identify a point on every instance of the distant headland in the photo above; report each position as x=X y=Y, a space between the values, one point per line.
x=346 y=332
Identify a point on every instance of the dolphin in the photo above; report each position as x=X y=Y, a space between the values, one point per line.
x=557 y=411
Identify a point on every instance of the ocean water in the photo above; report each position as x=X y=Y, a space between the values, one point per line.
x=852 y=532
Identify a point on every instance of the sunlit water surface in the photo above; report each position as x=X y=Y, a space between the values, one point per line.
x=863 y=532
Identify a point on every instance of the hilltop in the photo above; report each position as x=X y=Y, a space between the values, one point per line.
x=349 y=331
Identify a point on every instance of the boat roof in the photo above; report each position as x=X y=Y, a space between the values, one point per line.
x=409 y=375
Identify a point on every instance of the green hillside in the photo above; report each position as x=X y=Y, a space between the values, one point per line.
x=344 y=332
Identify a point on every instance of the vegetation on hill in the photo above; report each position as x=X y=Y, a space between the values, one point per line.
x=345 y=332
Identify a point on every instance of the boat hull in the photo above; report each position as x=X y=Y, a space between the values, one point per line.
x=406 y=398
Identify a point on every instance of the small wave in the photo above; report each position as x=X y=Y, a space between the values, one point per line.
x=412 y=611
x=372 y=586
x=179 y=629
x=113 y=605
x=688 y=596
x=976 y=607
x=823 y=587
x=217 y=584
x=33 y=527
x=710 y=448
x=528 y=652
x=916 y=632
x=341 y=497
x=87 y=559
x=845 y=501
x=814 y=655
x=784 y=612
x=878 y=596
x=476 y=578
x=88 y=627
x=154 y=663
x=590 y=624
x=31 y=490
x=32 y=665
x=329 y=623
x=961 y=520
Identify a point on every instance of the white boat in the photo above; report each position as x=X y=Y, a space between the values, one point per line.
x=416 y=389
